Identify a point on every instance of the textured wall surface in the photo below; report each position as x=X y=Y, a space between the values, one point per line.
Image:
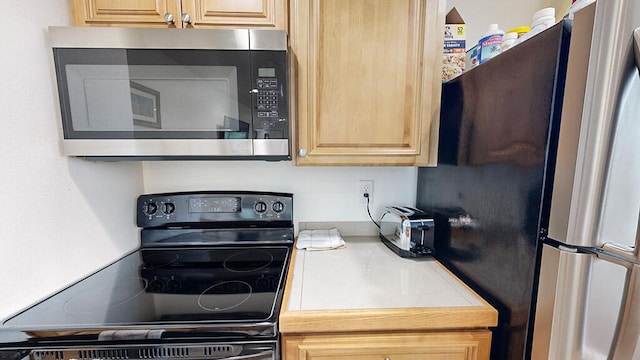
x=57 y=222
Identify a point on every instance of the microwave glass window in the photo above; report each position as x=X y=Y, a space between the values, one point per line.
x=154 y=98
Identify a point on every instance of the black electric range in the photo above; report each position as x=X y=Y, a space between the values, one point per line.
x=206 y=283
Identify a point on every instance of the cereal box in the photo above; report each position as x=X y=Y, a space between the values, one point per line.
x=454 y=56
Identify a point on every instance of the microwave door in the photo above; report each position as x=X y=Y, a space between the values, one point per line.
x=156 y=102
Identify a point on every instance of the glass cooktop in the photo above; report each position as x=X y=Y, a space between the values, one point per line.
x=168 y=286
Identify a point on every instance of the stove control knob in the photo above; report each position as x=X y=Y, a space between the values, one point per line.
x=277 y=206
x=260 y=207
x=168 y=208
x=151 y=208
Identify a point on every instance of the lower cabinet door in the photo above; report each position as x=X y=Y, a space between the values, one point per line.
x=465 y=345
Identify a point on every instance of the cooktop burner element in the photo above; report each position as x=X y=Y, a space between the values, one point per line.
x=225 y=295
x=210 y=272
x=248 y=261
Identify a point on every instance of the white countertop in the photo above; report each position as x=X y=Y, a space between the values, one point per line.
x=368 y=275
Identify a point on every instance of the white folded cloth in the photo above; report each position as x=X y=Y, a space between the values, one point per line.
x=320 y=240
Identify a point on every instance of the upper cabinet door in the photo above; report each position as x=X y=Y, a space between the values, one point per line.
x=265 y=14
x=129 y=13
x=368 y=76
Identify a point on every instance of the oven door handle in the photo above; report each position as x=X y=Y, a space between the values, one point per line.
x=258 y=356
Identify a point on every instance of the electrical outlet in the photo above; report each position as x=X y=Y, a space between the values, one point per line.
x=365 y=187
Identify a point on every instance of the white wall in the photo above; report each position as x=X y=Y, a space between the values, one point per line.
x=61 y=217
x=478 y=15
x=320 y=193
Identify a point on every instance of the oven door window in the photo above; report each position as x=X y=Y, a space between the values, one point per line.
x=154 y=94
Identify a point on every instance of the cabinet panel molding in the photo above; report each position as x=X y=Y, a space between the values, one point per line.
x=234 y=14
x=463 y=345
x=367 y=93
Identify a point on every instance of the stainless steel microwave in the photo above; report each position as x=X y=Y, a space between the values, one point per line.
x=172 y=93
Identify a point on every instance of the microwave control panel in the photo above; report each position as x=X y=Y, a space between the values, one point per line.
x=270 y=95
x=267 y=97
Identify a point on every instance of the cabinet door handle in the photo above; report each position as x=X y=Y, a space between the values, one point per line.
x=303 y=153
x=186 y=18
x=168 y=18
x=387 y=358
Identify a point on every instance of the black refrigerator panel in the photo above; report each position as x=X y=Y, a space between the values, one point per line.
x=489 y=192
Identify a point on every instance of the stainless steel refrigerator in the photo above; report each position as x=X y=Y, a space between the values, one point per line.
x=536 y=194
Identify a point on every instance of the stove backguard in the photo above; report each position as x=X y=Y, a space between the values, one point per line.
x=244 y=211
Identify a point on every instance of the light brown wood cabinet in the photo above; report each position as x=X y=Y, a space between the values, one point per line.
x=267 y=14
x=367 y=80
x=467 y=345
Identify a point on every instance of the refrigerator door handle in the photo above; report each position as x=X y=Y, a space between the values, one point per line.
x=636 y=37
x=628 y=332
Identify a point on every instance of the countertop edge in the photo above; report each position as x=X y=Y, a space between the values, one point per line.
x=441 y=318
